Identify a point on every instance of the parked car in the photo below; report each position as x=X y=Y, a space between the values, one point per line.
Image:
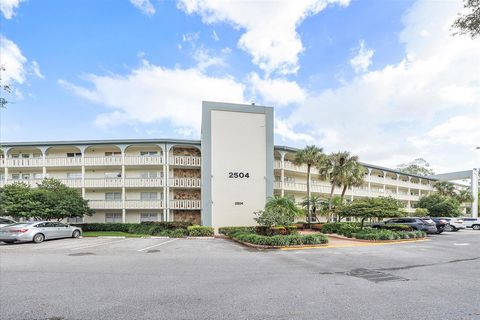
x=454 y=224
x=420 y=224
x=473 y=223
x=38 y=231
x=440 y=223
x=5 y=222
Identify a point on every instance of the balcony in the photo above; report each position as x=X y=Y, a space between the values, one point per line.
x=144 y=160
x=185 y=204
x=103 y=183
x=104 y=204
x=103 y=161
x=72 y=183
x=63 y=162
x=143 y=204
x=185 y=182
x=188 y=161
x=23 y=162
x=144 y=182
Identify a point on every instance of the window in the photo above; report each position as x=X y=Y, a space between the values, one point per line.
x=290 y=179
x=74 y=154
x=15 y=156
x=38 y=176
x=75 y=220
x=151 y=216
x=26 y=176
x=74 y=175
x=113 y=196
x=148 y=196
x=112 y=153
x=25 y=155
x=151 y=174
x=278 y=178
x=111 y=175
x=113 y=217
x=15 y=176
x=148 y=153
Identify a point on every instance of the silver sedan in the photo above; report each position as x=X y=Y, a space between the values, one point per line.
x=37 y=231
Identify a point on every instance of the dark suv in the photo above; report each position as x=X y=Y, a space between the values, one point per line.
x=421 y=224
x=440 y=223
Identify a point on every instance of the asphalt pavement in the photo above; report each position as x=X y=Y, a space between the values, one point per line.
x=96 y=278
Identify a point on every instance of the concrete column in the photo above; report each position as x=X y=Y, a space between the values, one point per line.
x=44 y=156
x=124 y=211
x=384 y=182
x=6 y=174
x=282 y=172
x=474 y=188
x=167 y=179
x=82 y=151
x=398 y=182
x=369 y=183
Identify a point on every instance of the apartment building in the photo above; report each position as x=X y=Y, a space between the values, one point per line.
x=161 y=180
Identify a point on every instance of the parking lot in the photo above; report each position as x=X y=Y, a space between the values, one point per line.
x=98 y=278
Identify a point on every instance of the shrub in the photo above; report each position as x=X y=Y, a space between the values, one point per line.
x=280 y=240
x=200 y=231
x=343 y=228
x=395 y=227
x=230 y=230
x=178 y=233
x=381 y=234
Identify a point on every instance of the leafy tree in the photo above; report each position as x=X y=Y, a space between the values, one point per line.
x=439 y=205
x=354 y=176
x=464 y=196
x=317 y=204
x=365 y=208
x=418 y=167
x=310 y=156
x=421 y=212
x=445 y=188
x=469 y=21
x=50 y=200
x=279 y=211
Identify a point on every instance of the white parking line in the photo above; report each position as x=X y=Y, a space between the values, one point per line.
x=156 y=245
x=98 y=244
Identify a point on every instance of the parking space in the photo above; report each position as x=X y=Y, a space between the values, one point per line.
x=137 y=278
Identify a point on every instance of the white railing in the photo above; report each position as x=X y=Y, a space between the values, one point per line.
x=63 y=161
x=24 y=162
x=185 y=182
x=143 y=160
x=144 y=182
x=103 y=161
x=185 y=204
x=105 y=204
x=103 y=183
x=277 y=164
x=185 y=161
x=143 y=204
x=380 y=180
x=72 y=183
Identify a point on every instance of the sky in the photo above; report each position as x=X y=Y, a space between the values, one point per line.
x=385 y=80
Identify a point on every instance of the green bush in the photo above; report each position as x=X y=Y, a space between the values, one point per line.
x=381 y=234
x=395 y=227
x=343 y=228
x=230 y=230
x=161 y=228
x=280 y=240
x=178 y=233
x=200 y=231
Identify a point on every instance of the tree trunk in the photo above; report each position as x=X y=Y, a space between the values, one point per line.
x=361 y=224
x=343 y=192
x=330 y=201
x=309 y=215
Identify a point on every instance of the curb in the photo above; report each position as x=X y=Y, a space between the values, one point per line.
x=336 y=236
x=264 y=247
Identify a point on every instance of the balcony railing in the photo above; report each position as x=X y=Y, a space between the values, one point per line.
x=103 y=183
x=185 y=182
x=144 y=182
x=23 y=162
x=191 y=161
x=144 y=160
x=72 y=183
x=103 y=161
x=143 y=204
x=63 y=161
x=105 y=204
x=185 y=204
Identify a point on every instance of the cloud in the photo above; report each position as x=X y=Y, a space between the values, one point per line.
x=270 y=35
x=284 y=130
x=8 y=7
x=279 y=91
x=153 y=94
x=13 y=61
x=36 y=69
x=427 y=105
x=363 y=58
x=145 y=6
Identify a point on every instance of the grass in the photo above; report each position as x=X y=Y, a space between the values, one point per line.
x=112 y=234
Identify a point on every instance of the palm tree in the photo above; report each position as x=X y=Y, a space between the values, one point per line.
x=445 y=188
x=316 y=203
x=332 y=168
x=353 y=177
x=310 y=156
x=464 y=196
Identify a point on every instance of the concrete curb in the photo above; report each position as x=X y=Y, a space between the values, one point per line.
x=263 y=247
x=336 y=236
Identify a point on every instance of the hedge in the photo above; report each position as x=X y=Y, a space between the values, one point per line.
x=343 y=228
x=279 y=230
x=228 y=231
x=200 y=231
x=394 y=227
x=280 y=240
x=380 y=234
x=175 y=229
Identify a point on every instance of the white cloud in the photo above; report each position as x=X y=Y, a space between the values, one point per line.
x=284 y=130
x=13 y=61
x=427 y=105
x=36 y=69
x=363 y=58
x=8 y=7
x=215 y=36
x=152 y=94
x=206 y=59
x=279 y=92
x=270 y=27
x=145 y=6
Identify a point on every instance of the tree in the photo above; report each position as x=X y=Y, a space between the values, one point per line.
x=469 y=21
x=50 y=200
x=418 y=167
x=365 y=208
x=310 y=156
x=464 y=196
x=439 y=205
x=353 y=177
x=317 y=204
x=445 y=188
x=279 y=211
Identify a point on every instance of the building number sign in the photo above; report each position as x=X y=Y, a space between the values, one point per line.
x=238 y=175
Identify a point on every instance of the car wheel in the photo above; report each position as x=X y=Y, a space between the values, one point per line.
x=76 y=234
x=476 y=227
x=38 y=238
x=448 y=228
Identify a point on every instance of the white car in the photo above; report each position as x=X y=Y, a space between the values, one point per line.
x=473 y=223
x=454 y=224
x=5 y=222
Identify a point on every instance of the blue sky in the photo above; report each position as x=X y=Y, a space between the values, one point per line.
x=383 y=79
